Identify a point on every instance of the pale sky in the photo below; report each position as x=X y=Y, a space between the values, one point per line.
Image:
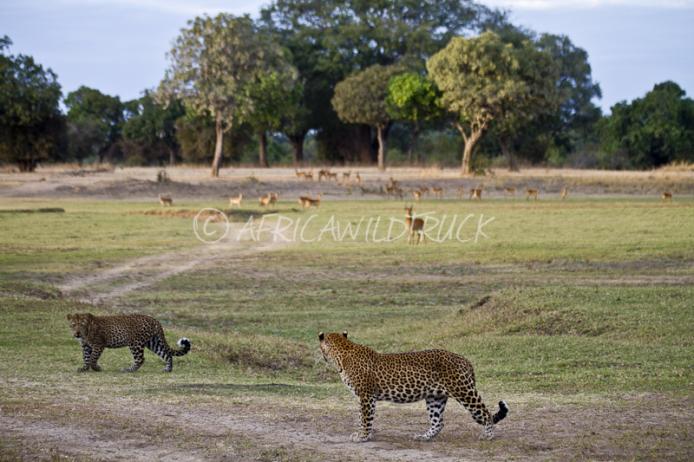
x=119 y=46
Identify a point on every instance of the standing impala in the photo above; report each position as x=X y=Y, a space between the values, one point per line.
x=414 y=225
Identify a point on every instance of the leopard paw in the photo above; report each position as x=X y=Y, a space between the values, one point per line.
x=359 y=437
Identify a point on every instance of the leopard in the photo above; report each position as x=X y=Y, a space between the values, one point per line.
x=430 y=375
x=136 y=331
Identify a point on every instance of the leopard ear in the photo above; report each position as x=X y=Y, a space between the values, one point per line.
x=321 y=336
x=344 y=333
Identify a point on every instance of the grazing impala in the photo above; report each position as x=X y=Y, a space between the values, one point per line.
x=165 y=200
x=265 y=200
x=510 y=191
x=274 y=197
x=417 y=194
x=531 y=192
x=438 y=191
x=357 y=178
x=307 y=202
x=666 y=196
x=476 y=193
x=236 y=200
x=564 y=192
x=415 y=226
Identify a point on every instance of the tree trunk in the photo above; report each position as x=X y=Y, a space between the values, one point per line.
x=381 y=147
x=219 y=131
x=470 y=143
x=297 y=141
x=364 y=142
x=262 y=149
x=172 y=156
x=507 y=151
x=413 y=143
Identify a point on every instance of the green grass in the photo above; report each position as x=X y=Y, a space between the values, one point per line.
x=567 y=311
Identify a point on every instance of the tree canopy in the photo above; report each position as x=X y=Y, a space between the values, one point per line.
x=484 y=79
x=212 y=63
x=330 y=40
x=149 y=134
x=653 y=130
x=94 y=120
x=31 y=125
x=413 y=98
x=273 y=95
x=361 y=99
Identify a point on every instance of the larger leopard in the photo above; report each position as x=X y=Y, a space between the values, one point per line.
x=136 y=331
x=432 y=375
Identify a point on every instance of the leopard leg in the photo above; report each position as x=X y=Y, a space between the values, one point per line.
x=435 y=407
x=138 y=358
x=94 y=356
x=161 y=349
x=368 y=411
x=86 y=354
x=480 y=414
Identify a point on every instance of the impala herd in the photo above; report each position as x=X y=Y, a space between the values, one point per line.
x=392 y=188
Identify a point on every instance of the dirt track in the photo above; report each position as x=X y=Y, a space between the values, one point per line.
x=140 y=273
x=637 y=427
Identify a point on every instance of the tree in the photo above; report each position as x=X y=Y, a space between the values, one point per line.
x=332 y=39
x=483 y=79
x=361 y=98
x=653 y=130
x=272 y=96
x=540 y=74
x=415 y=99
x=94 y=120
x=575 y=120
x=31 y=125
x=149 y=133
x=212 y=63
x=195 y=134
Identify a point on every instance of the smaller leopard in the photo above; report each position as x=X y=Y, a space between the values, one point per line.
x=431 y=375
x=136 y=331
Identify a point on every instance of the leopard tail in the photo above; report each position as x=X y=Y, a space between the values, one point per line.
x=503 y=412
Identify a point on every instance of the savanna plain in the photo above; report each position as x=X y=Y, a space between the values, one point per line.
x=577 y=312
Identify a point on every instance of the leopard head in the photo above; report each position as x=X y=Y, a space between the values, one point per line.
x=334 y=346
x=80 y=324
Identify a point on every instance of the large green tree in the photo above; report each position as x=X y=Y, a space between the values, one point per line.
x=212 y=63
x=31 y=125
x=95 y=121
x=272 y=96
x=415 y=99
x=361 y=98
x=149 y=134
x=484 y=79
x=653 y=130
x=332 y=39
x=574 y=122
x=540 y=74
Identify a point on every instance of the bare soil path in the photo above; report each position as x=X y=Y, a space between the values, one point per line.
x=140 y=273
x=631 y=427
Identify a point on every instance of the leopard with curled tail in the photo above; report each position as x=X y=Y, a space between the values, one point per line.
x=136 y=331
x=431 y=375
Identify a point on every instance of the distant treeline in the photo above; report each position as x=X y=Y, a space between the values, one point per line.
x=402 y=82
